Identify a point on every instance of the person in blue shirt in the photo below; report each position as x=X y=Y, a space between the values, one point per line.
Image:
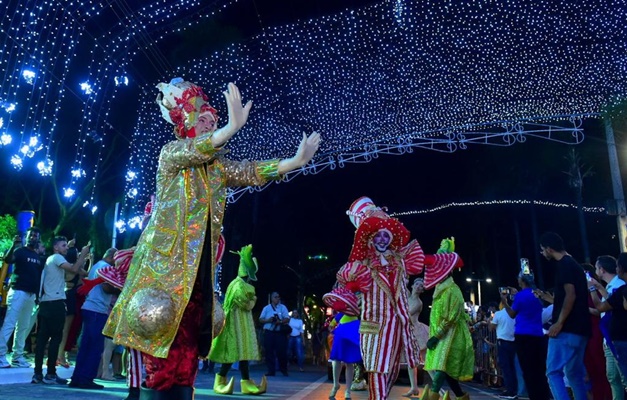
x=531 y=344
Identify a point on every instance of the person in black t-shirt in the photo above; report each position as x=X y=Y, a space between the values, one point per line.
x=571 y=325
x=21 y=297
x=617 y=304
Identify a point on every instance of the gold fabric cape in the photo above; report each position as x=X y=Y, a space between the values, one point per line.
x=192 y=177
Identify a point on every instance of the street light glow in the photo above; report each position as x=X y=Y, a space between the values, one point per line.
x=489 y=280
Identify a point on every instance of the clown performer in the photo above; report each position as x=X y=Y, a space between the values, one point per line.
x=345 y=348
x=167 y=308
x=380 y=260
x=450 y=355
x=238 y=339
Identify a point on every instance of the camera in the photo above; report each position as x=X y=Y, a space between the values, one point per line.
x=275 y=318
x=504 y=290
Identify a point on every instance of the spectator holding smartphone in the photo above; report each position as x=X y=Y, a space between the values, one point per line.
x=528 y=334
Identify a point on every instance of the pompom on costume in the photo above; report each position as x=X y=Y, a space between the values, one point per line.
x=175 y=259
x=238 y=339
x=381 y=258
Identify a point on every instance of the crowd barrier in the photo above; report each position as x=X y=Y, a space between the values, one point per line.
x=487 y=369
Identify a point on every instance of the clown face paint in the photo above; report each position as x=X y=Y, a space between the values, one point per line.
x=382 y=240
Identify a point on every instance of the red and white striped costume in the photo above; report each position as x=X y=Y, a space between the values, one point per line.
x=135 y=368
x=385 y=328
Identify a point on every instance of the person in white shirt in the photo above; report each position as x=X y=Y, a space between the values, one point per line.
x=52 y=308
x=273 y=316
x=505 y=326
x=297 y=338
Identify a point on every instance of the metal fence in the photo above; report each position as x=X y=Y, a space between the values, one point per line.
x=487 y=369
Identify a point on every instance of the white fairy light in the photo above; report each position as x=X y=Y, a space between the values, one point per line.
x=29 y=76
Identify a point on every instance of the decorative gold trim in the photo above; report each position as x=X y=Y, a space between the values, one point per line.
x=371 y=327
x=268 y=170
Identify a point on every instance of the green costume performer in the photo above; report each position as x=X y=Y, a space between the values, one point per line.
x=450 y=355
x=238 y=341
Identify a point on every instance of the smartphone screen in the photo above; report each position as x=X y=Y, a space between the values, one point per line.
x=524 y=266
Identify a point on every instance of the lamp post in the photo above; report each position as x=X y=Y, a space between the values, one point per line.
x=487 y=280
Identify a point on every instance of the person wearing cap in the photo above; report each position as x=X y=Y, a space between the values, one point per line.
x=238 y=339
x=450 y=355
x=380 y=260
x=345 y=348
x=167 y=308
x=528 y=335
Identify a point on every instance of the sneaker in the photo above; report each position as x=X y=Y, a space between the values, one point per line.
x=509 y=396
x=4 y=363
x=37 y=378
x=20 y=363
x=53 y=379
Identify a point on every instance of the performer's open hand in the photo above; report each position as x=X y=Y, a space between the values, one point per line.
x=238 y=115
x=306 y=150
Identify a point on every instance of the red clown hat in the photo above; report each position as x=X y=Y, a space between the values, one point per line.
x=439 y=266
x=369 y=219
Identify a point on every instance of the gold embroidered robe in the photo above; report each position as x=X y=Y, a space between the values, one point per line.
x=192 y=178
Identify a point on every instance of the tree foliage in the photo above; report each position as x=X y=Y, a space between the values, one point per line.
x=8 y=229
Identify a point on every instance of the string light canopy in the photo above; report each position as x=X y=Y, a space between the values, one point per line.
x=382 y=79
x=403 y=74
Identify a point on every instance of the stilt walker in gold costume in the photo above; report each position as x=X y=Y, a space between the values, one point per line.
x=167 y=309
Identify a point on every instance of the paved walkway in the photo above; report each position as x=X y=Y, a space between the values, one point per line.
x=312 y=384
